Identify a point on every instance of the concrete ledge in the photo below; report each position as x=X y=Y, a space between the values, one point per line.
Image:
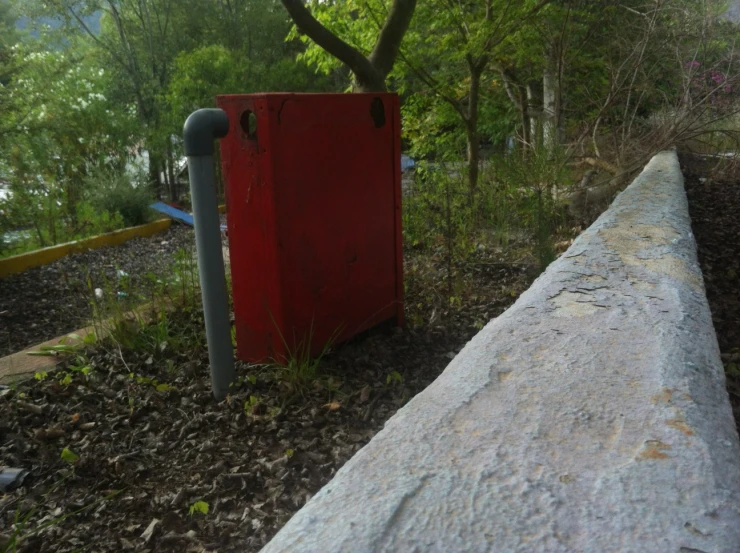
x=24 y=364
x=591 y=416
x=44 y=256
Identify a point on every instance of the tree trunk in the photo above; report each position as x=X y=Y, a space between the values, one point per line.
x=524 y=112
x=551 y=102
x=166 y=180
x=174 y=191
x=517 y=93
x=549 y=126
x=473 y=158
x=534 y=110
x=370 y=72
x=154 y=178
x=471 y=127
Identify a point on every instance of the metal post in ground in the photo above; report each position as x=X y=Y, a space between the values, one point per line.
x=201 y=129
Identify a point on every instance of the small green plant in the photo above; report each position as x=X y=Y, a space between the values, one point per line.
x=80 y=365
x=19 y=534
x=393 y=378
x=16 y=537
x=185 y=278
x=300 y=369
x=733 y=369
x=69 y=456
x=41 y=375
x=289 y=453
x=251 y=405
x=170 y=367
x=199 y=507
x=156 y=384
x=63 y=348
x=240 y=380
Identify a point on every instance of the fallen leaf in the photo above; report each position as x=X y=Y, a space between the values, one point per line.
x=75 y=417
x=69 y=456
x=333 y=406
x=30 y=407
x=49 y=433
x=365 y=394
x=148 y=534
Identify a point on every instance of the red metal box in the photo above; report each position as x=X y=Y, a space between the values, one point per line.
x=313 y=196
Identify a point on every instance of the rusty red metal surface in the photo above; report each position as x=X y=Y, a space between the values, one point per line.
x=313 y=196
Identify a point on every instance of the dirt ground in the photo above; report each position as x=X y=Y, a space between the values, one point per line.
x=135 y=451
x=713 y=190
x=49 y=301
x=126 y=450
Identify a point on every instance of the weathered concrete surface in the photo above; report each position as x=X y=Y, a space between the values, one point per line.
x=24 y=364
x=591 y=416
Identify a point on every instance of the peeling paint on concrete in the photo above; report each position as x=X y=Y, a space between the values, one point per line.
x=590 y=416
x=568 y=304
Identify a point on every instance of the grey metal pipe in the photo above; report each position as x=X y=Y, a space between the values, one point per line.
x=200 y=130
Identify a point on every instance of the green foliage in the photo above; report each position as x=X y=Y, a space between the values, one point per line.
x=91 y=220
x=438 y=209
x=69 y=456
x=17 y=540
x=393 y=378
x=515 y=206
x=199 y=507
x=299 y=370
x=161 y=387
x=200 y=75
x=521 y=196
x=57 y=128
x=251 y=405
x=733 y=369
x=151 y=316
x=85 y=101
x=116 y=193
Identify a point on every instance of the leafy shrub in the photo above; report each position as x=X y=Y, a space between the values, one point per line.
x=116 y=193
x=92 y=220
x=516 y=203
x=522 y=194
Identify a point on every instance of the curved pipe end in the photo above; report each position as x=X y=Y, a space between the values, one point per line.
x=201 y=128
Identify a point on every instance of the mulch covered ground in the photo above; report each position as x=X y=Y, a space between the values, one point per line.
x=49 y=301
x=126 y=450
x=713 y=189
x=140 y=457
